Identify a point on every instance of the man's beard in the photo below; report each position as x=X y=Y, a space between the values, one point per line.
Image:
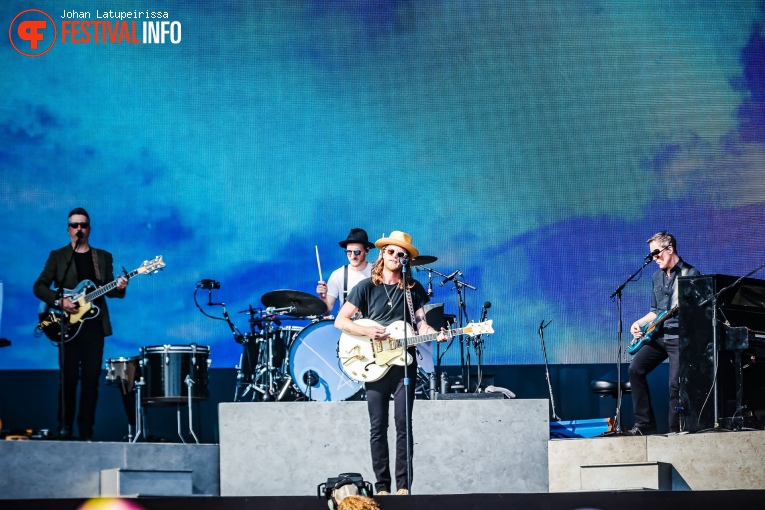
x=392 y=266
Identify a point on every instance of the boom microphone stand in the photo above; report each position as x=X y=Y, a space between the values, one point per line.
x=618 y=294
x=541 y=331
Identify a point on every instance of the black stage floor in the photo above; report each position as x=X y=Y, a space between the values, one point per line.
x=642 y=500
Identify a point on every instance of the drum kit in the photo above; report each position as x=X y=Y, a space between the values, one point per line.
x=287 y=363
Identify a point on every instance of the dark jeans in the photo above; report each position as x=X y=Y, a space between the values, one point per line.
x=82 y=364
x=646 y=359
x=378 y=404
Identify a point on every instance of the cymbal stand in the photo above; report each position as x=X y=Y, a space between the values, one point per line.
x=267 y=373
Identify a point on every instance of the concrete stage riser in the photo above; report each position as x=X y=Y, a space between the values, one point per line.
x=461 y=447
x=72 y=469
x=702 y=461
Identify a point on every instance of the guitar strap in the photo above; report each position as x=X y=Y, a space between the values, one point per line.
x=411 y=309
x=411 y=317
x=95 y=265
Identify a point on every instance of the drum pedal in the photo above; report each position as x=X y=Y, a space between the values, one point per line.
x=285 y=386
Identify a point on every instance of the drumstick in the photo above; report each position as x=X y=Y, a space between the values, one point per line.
x=318 y=263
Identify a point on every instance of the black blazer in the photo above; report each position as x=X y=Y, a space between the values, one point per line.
x=54 y=272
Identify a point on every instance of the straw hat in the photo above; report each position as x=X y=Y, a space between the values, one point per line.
x=401 y=239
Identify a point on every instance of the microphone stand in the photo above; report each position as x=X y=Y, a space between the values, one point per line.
x=618 y=294
x=715 y=356
x=478 y=346
x=62 y=334
x=463 y=317
x=407 y=413
x=542 y=327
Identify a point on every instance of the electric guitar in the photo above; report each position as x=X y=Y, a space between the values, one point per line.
x=364 y=359
x=649 y=330
x=83 y=296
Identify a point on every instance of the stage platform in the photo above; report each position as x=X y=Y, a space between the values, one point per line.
x=487 y=452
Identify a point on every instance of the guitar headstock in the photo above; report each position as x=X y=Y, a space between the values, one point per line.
x=151 y=266
x=478 y=328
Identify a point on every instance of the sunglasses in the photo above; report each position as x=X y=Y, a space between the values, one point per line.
x=83 y=225
x=355 y=252
x=399 y=254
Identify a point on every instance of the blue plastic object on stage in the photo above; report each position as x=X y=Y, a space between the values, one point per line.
x=579 y=428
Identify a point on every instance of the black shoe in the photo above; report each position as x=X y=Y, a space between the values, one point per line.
x=640 y=431
x=65 y=433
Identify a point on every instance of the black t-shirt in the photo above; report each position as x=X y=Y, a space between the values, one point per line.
x=372 y=300
x=85 y=271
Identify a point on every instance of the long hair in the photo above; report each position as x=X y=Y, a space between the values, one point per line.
x=377 y=274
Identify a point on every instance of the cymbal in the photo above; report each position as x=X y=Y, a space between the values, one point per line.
x=422 y=260
x=305 y=304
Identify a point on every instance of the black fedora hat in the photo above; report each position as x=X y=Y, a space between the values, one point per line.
x=357 y=235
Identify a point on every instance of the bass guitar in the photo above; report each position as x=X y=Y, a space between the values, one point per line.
x=364 y=359
x=51 y=319
x=649 y=330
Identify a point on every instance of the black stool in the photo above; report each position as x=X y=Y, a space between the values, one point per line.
x=604 y=388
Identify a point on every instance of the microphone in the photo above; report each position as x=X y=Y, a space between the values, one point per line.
x=654 y=253
x=450 y=277
x=79 y=234
x=486 y=307
x=430 y=284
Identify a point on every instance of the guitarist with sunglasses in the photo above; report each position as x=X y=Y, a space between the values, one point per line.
x=382 y=299
x=81 y=358
x=664 y=343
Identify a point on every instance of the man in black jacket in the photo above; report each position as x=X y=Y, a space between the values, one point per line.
x=82 y=356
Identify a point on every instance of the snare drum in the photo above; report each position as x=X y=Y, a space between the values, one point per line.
x=314 y=366
x=165 y=369
x=123 y=372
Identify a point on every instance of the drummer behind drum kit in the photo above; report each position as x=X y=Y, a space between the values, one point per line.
x=281 y=362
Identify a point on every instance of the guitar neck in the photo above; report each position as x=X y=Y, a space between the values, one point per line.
x=668 y=315
x=90 y=296
x=418 y=339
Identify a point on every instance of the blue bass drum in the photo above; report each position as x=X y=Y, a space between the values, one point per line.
x=315 y=368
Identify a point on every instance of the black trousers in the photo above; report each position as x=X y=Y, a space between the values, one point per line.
x=83 y=357
x=646 y=359
x=378 y=404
